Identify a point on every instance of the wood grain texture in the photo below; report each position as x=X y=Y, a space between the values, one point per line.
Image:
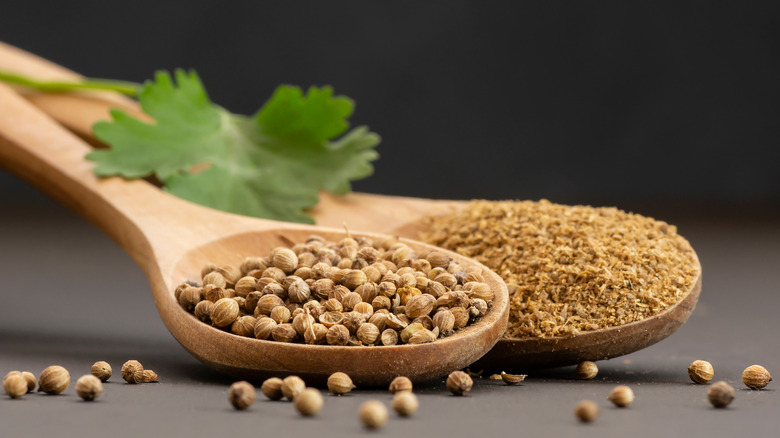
x=401 y=216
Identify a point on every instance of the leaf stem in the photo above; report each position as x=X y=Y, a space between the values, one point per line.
x=127 y=88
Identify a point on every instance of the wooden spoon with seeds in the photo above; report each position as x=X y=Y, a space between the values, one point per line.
x=377 y=213
x=171 y=239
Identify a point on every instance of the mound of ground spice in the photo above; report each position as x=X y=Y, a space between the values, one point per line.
x=571 y=268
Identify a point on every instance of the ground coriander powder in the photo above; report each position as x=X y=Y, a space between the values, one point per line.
x=571 y=268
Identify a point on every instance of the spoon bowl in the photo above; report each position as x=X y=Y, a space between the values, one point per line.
x=401 y=216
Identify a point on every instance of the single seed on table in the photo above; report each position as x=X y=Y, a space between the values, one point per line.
x=621 y=396
x=308 y=402
x=14 y=384
x=700 y=371
x=512 y=379
x=405 y=403
x=340 y=383
x=756 y=377
x=400 y=384
x=586 y=370
x=132 y=371
x=241 y=395
x=53 y=380
x=720 y=394
x=272 y=388
x=292 y=386
x=586 y=411
x=149 y=376
x=31 y=380
x=89 y=387
x=373 y=414
x=459 y=383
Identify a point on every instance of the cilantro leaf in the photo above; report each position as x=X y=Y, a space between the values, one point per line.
x=269 y=165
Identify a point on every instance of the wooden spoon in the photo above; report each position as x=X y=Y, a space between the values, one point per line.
x=171 y=239
x=386 y=214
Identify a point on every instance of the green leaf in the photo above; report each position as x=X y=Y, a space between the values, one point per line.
x=270 y=165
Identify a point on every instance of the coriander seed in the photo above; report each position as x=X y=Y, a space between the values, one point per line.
x=339 y=383
x=88 y=387
x=373 y=414
x=389 y=337
x=586 y=370
x=621 y=396
x=586 y=411
x=224 y=312
x=292 y=386
x=132 y=371
x=272 y=388
x=459 y=383
x=405 y=403
x=264 y=326
x=308 y=402
x=400 y=384
x=284 y=259
x=14 y=384
x=337 y=334
x=241 y=395
x=31 y=380
x=53 y=380
x=148 y=376
x=284 y=333
x=101 y=370
x=512 y=379
x=756 y=377
x=720 y=394
x=700 y=371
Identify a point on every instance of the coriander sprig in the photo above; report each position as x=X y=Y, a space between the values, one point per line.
x=271 y=164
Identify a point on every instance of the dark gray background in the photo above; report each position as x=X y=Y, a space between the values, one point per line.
x=669 y=110
x=579 y=102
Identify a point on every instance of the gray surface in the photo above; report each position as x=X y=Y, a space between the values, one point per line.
x=72 y=297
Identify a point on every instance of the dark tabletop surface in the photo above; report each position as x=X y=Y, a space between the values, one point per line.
x=72 y=297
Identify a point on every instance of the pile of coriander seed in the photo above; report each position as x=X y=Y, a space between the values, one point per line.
x=355 y=292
